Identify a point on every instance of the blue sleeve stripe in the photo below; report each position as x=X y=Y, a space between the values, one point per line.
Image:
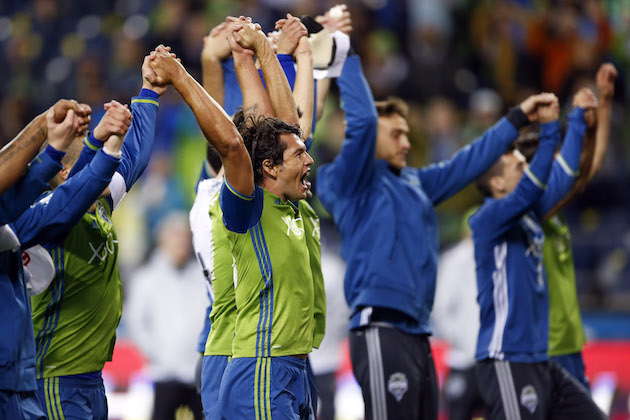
x=565 y=166
x=535 y=180
x=236 y=193
x=89 y=144
x=145 y=101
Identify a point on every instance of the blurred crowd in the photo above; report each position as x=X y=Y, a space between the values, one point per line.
x=459 y=63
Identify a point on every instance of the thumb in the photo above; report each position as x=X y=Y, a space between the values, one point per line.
x=69 y=120
x=50 y=117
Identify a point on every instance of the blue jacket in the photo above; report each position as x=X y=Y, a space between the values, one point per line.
x=17 y=345
x=387 y=220
x=508 y=238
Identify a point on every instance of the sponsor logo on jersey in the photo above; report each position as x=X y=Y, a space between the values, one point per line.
x=529 y=398
x=292 y=226
x=397 y=385
x=105 y=248
x=100 y=208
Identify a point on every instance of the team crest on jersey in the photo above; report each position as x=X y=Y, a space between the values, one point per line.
x=100 y=208
x=529 y=398
x=413 y=180
x=397 y=385
x=292 y=226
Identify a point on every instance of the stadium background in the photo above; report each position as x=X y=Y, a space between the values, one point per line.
x=459 y=63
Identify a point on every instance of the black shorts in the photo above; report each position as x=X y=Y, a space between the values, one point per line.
x=396 y=373
x=533 y=391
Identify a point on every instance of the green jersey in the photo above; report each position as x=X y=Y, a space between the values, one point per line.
x=75 y=319
x=274 y=280
x=223 y=315
x=566 y=335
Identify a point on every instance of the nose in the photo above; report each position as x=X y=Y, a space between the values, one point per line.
x=309 y=160
x=404 y=142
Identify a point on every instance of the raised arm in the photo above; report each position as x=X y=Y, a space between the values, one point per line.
x=605 y=79
x=52 y=217
x=16 y=155
x=498 y=215
x=215 y=50
x=293 y=40
x=42 y=169
x=255 y=98
x=215 y=124
x=442 y=180
x=276 y=82
x=352 y=171
x=566 y=167
x=304 y=91
x=597 y=135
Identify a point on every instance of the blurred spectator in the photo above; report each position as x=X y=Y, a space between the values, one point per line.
x=164 y=314
x=455 y=318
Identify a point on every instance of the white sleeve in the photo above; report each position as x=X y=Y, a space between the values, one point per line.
x=8 y=240
x=118 y=189
x=201 y=227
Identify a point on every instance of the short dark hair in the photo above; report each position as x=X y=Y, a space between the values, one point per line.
x=483 y=182
x=528 y=140
x=72 y=153
x=392 y=105
x=213 y=158
x=261 y=135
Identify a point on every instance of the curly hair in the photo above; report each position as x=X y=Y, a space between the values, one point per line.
x=261 y=136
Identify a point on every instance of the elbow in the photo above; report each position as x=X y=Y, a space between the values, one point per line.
x=232 y=145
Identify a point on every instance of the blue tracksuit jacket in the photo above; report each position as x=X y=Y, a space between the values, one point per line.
x=17 y=345
x=387 y=220
x=508 y=238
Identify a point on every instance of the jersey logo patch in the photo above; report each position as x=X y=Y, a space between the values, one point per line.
x=100 y=208
x=397 y=385
x=529 y=398
x=292 y=226
x=104 y=249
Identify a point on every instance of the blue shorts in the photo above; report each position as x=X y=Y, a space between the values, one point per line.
x=312 y=387
x=574 y=364
x=20 y=405
x=264 y=388
x=73 y=397
x=212 y=369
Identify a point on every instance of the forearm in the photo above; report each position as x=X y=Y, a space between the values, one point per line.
x=278 y=87
x=304 y=92
x=16 y=155
x=602 y=134
x=215 y=124
x=323 y=86
x=219 y=130
x=90 y=147
x=212 y=78
x=255 y=98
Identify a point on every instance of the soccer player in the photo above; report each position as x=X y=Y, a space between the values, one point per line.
x=385 y=213
x=75 y=319
x=566 y=333
x=18 y=399
x=512 y=362
x=274 y=288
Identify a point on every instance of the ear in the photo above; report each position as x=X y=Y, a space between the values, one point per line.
x=497 y=184
x=63 y=173
x=269 y=169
